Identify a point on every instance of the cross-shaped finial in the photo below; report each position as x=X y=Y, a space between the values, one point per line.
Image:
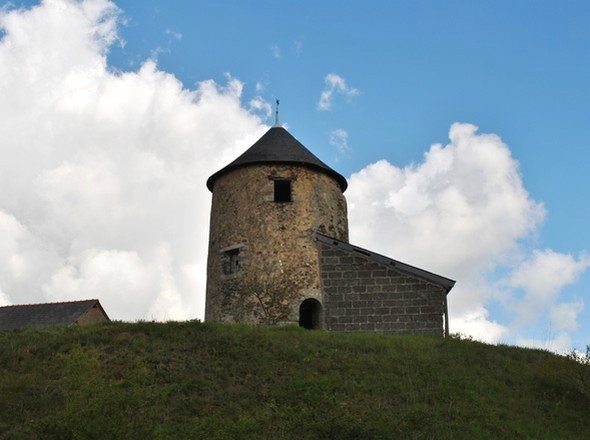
x=277 y=115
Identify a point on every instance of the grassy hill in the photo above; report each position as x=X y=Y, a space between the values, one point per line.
x=195 y=380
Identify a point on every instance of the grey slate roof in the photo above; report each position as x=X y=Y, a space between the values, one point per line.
x=45 y=315
x=278 y=146
x=444 y=282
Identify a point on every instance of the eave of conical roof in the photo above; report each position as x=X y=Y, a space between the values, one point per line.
x=278 y=146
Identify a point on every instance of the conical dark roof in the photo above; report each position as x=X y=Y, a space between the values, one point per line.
x=278 y=146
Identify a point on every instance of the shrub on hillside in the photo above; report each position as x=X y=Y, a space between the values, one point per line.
x=583 y=377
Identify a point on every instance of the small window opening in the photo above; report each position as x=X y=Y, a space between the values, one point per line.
x=282 y=191
x=310 y=312
x=233 y=261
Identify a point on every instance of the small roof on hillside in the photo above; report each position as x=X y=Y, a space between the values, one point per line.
x=444 y=282
x=278 y=146
x=46 y=315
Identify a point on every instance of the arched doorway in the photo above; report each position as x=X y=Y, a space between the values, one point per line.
x=310 y=314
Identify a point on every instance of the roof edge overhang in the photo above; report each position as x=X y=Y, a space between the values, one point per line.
x=278 y=147
x=97 y=303
x=446 y=283
x=341 y=180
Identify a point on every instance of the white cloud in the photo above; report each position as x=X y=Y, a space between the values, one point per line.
x=260 y=106
x=476 y=323
x=541 y=277
x=276 y=51
x=564 y=316
x=463 y=212
x=339 y=139
x=4 y=299
x=102 y=181
x=560 y=343
x=465 y=193
x=117 y=277
x=545 y=273
x=260 y=87
x=334 y=84
x=25 y=261
x=173 y=34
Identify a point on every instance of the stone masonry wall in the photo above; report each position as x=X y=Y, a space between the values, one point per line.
x=361 y=294
x=274 y=240
x=92 y=316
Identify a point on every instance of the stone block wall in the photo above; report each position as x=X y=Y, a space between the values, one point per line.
x=93 y=316
x=362 y=294
x=272 y=239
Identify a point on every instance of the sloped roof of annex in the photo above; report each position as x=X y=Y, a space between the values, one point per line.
x=446 y=283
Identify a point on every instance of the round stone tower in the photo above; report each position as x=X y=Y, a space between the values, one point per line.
x=267 y=206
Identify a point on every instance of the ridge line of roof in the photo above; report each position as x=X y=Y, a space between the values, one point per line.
x=442 y=281
x=50 y=303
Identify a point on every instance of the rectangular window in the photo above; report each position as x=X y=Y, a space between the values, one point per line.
x=282 y=191
x=232 y=261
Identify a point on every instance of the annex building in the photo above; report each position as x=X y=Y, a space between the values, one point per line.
x=279 y=251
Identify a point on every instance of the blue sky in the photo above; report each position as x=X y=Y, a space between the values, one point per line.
x=397 y=76
x=517 y=69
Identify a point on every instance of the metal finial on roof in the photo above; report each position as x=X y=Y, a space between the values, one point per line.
x=277 y=115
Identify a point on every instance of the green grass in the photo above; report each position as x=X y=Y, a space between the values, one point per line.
x=210 y=381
